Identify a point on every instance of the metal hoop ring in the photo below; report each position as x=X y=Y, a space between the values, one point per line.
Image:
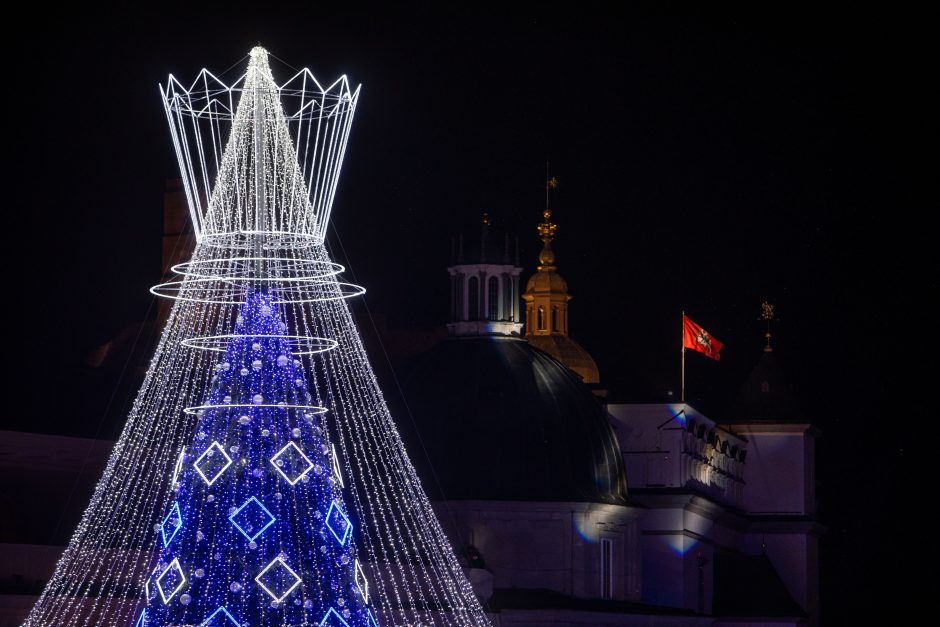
x=297 y=344
x=195 y=409
x=237 y=268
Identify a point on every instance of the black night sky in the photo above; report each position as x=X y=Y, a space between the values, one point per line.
x=705 y=161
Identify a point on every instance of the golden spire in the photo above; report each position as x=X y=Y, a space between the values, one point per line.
x=767 y=315
x=547 y=228
x=546 y=303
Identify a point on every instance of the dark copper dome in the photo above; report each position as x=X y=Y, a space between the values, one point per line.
x=500 y=420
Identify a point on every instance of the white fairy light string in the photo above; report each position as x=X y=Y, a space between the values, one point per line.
x=260 y=302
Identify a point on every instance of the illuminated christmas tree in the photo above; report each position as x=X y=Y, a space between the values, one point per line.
x=258 y=508
x=260 y=480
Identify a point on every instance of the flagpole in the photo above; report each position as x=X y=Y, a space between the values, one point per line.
x=682 y=386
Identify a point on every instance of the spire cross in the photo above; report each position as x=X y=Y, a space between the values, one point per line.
x=767 y=315
x=547 y=228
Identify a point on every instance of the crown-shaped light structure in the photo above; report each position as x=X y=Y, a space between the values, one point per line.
x=258 y=157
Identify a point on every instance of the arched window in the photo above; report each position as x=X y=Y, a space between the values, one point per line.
x=554 y=318
x=473 y=298
x=541 y=318
x=492 y=298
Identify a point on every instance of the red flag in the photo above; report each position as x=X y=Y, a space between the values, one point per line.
x=698 y=339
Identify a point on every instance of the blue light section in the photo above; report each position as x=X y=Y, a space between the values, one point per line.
x=332 y=619
x=252 y=518
x=218 y=619
x=372 y=621
x=679 y=412
x=173 y=517
x=248 y=513
x=142 y=620
x=337 y=518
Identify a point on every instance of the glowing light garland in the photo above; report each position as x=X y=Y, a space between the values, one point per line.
x=298 y=345
x=260 y=480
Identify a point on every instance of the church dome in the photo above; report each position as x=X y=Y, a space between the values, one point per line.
x=496 y=419
x=568 y=352
x=546 y=281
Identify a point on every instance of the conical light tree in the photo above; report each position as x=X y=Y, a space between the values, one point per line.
x=260 y=480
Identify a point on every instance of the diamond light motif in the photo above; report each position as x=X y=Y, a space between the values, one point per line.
x=171 y=524
x=361 y=582
x=179 y=466
x=212 y=463
x=252 y=518
x=220 y=618
x=336 y=469
x=277 y=579
x=174 y=578
x=338 y=523
x=291 y=462
x=142 y=620
x=332 y=618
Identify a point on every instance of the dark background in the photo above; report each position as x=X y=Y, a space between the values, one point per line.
x=706 y=162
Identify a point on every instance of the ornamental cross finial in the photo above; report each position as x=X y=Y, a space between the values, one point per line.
x=767 y=315
x=547 y=228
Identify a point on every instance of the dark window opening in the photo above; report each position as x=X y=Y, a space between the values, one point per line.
x=493 y=298
x=607 y=568
x=473 y=298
